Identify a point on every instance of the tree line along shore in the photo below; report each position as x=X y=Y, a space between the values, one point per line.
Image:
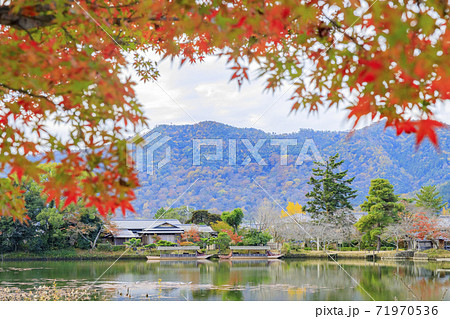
x=325 y=225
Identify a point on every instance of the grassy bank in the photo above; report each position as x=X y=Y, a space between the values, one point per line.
x=431 y=254
x=437 y=253
x=75 y=254
x=338 y=254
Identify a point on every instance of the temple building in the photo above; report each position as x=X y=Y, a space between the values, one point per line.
x=150 y=231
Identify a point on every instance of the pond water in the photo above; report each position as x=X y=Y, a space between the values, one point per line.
x=238 y=280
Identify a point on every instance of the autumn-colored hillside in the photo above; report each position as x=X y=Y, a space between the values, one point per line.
x=221 y=184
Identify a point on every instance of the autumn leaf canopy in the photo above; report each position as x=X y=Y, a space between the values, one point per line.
x=65 y=68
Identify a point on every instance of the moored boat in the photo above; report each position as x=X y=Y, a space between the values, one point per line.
x=250 y=252
x=179 y=253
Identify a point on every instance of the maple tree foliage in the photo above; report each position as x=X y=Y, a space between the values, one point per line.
x=425 y=227
x=190 y=236
x=235 y=238
x=65 y=63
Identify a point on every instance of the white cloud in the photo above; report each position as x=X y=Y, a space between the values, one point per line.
x=201 y=92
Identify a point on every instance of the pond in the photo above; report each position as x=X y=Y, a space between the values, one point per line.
x=237 y=280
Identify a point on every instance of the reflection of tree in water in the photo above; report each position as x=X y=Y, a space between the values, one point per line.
x=233 y=295
x=432 y=288
x=221 y=275
x=204 y=294
x=379 y=283
x=73 y=272
x=241 y=273
x=402 y=282
x=214 y=294
x=316 y=280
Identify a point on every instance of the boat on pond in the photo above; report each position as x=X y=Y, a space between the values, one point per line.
x=250 y=252
x=179 y=253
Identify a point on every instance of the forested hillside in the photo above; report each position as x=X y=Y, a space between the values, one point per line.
x=444 y=190
x=222 y=185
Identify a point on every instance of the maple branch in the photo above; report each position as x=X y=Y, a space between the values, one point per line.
x=96 y=237
x=116 y=6
x=27 y=93
x=68 y=33
x=29 y=34
x=24 y=22
x=90 y=241
x=339 y=28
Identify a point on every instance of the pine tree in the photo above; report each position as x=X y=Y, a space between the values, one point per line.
x=382 y=209
x=203 y=217
x=428 y=197
x=331 y=192
x=233 y=218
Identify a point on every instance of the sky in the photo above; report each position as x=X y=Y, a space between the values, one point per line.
x=203 y=92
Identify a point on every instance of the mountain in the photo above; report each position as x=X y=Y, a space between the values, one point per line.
x=223 y=182
x=444 y=190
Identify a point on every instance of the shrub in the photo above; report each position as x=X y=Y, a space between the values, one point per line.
x=105 y=247
x=150 y=246
x=286 y=248
x=255 y=238
x=220 y=226
x=223 y=240
x=133 y=242
x=165 y=243
x=187 y=243
x=119 y=248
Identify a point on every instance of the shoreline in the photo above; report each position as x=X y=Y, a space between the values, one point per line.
x=81 y=255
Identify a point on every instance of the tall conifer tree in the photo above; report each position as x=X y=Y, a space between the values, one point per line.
x=428 y=197
x=382 y=209
x=331 y=192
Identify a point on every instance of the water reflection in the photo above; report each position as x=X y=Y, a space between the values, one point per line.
x=239 y=280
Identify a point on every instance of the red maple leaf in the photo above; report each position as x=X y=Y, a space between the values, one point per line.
x=406 y=127
x=427 y=128
x=72 y=196
x=18 y=170
x=125 y=205
x=370 y=72
x=363 y=107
